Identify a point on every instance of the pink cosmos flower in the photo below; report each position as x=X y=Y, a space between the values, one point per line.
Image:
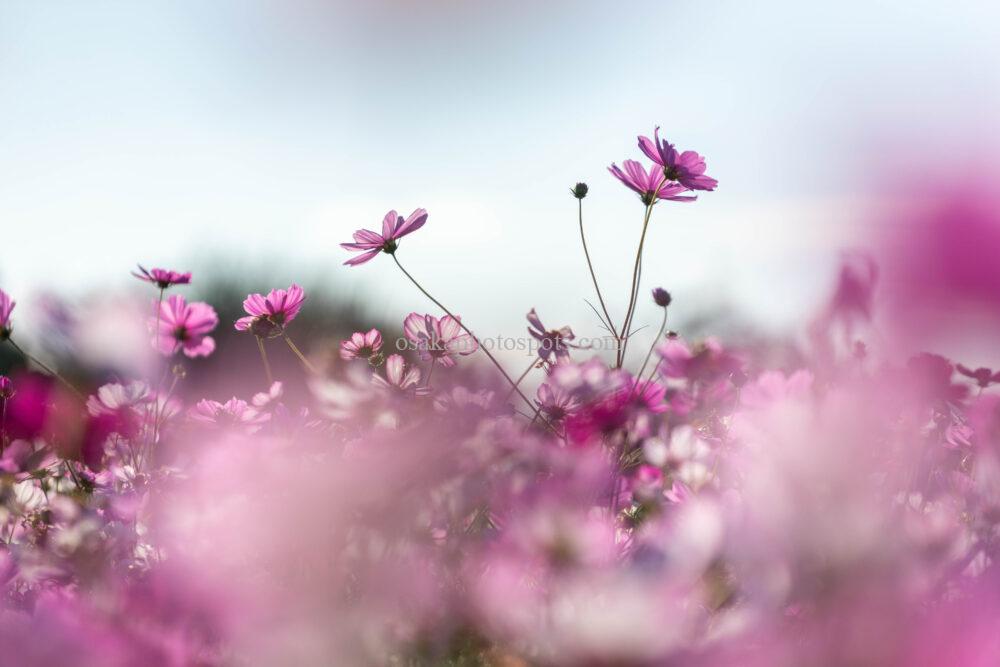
x=6 y=306
x=235 y=412
x=267 y=316
x=185 y=326
x=361 y=345
x=552 y=341
x=394 y=227
x=114 y=398
x=162 y=278
x=555 y=402
x=652 y=185
x=438 y=340
x=399 y=378
x=687 y=168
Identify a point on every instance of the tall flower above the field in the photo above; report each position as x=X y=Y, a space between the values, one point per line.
x=162 y=278
x=439 y=340
x=361 y=345
x=687 y=168
x=6 y=307
x=268 y=315
x=651 y=186
x=394 y=227
x=185 y=326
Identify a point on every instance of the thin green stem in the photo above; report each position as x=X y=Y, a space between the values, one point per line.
x=634 y=289
x=517 y=383
x=263 y=358
x=159 y=412
x=467 y=330
x=298 y=353
x=45 y=368
x=590 y=267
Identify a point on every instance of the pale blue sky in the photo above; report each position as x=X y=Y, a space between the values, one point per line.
x=172 y=132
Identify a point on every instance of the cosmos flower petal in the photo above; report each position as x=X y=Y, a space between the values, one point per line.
x=361 y=259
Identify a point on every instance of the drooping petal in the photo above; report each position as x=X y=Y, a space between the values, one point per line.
x=199 y=348
x=464 y=345
x=367 y=236
x=362 y=258
x=534 y=321
x=244 y=323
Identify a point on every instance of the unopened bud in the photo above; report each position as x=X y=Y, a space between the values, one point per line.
x=661 y=297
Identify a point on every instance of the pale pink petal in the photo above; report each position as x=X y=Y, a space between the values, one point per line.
x=199 y=348
x=361 y=259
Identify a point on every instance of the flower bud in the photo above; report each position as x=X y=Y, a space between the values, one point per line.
x=580 y=190
x=661 y=297
x=6 y=387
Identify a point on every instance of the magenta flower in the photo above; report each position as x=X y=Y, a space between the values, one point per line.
x=687 y=168
x=394 y=227
x=361 y=345
x=185 y=326
x=6 y=306
x=438 y=340
x=398 y=378
x=652 y=185
x=552 y=341
x=267 y=316
x=162 y=278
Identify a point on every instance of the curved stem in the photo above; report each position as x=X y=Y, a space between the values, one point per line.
x=263 y=357
x=298 y=353
x=467 y=330
x=517 y=383
x=590 y=266
x=45 y=368
x=633 y=290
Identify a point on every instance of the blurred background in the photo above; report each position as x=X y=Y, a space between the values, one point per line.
x=243 y=140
